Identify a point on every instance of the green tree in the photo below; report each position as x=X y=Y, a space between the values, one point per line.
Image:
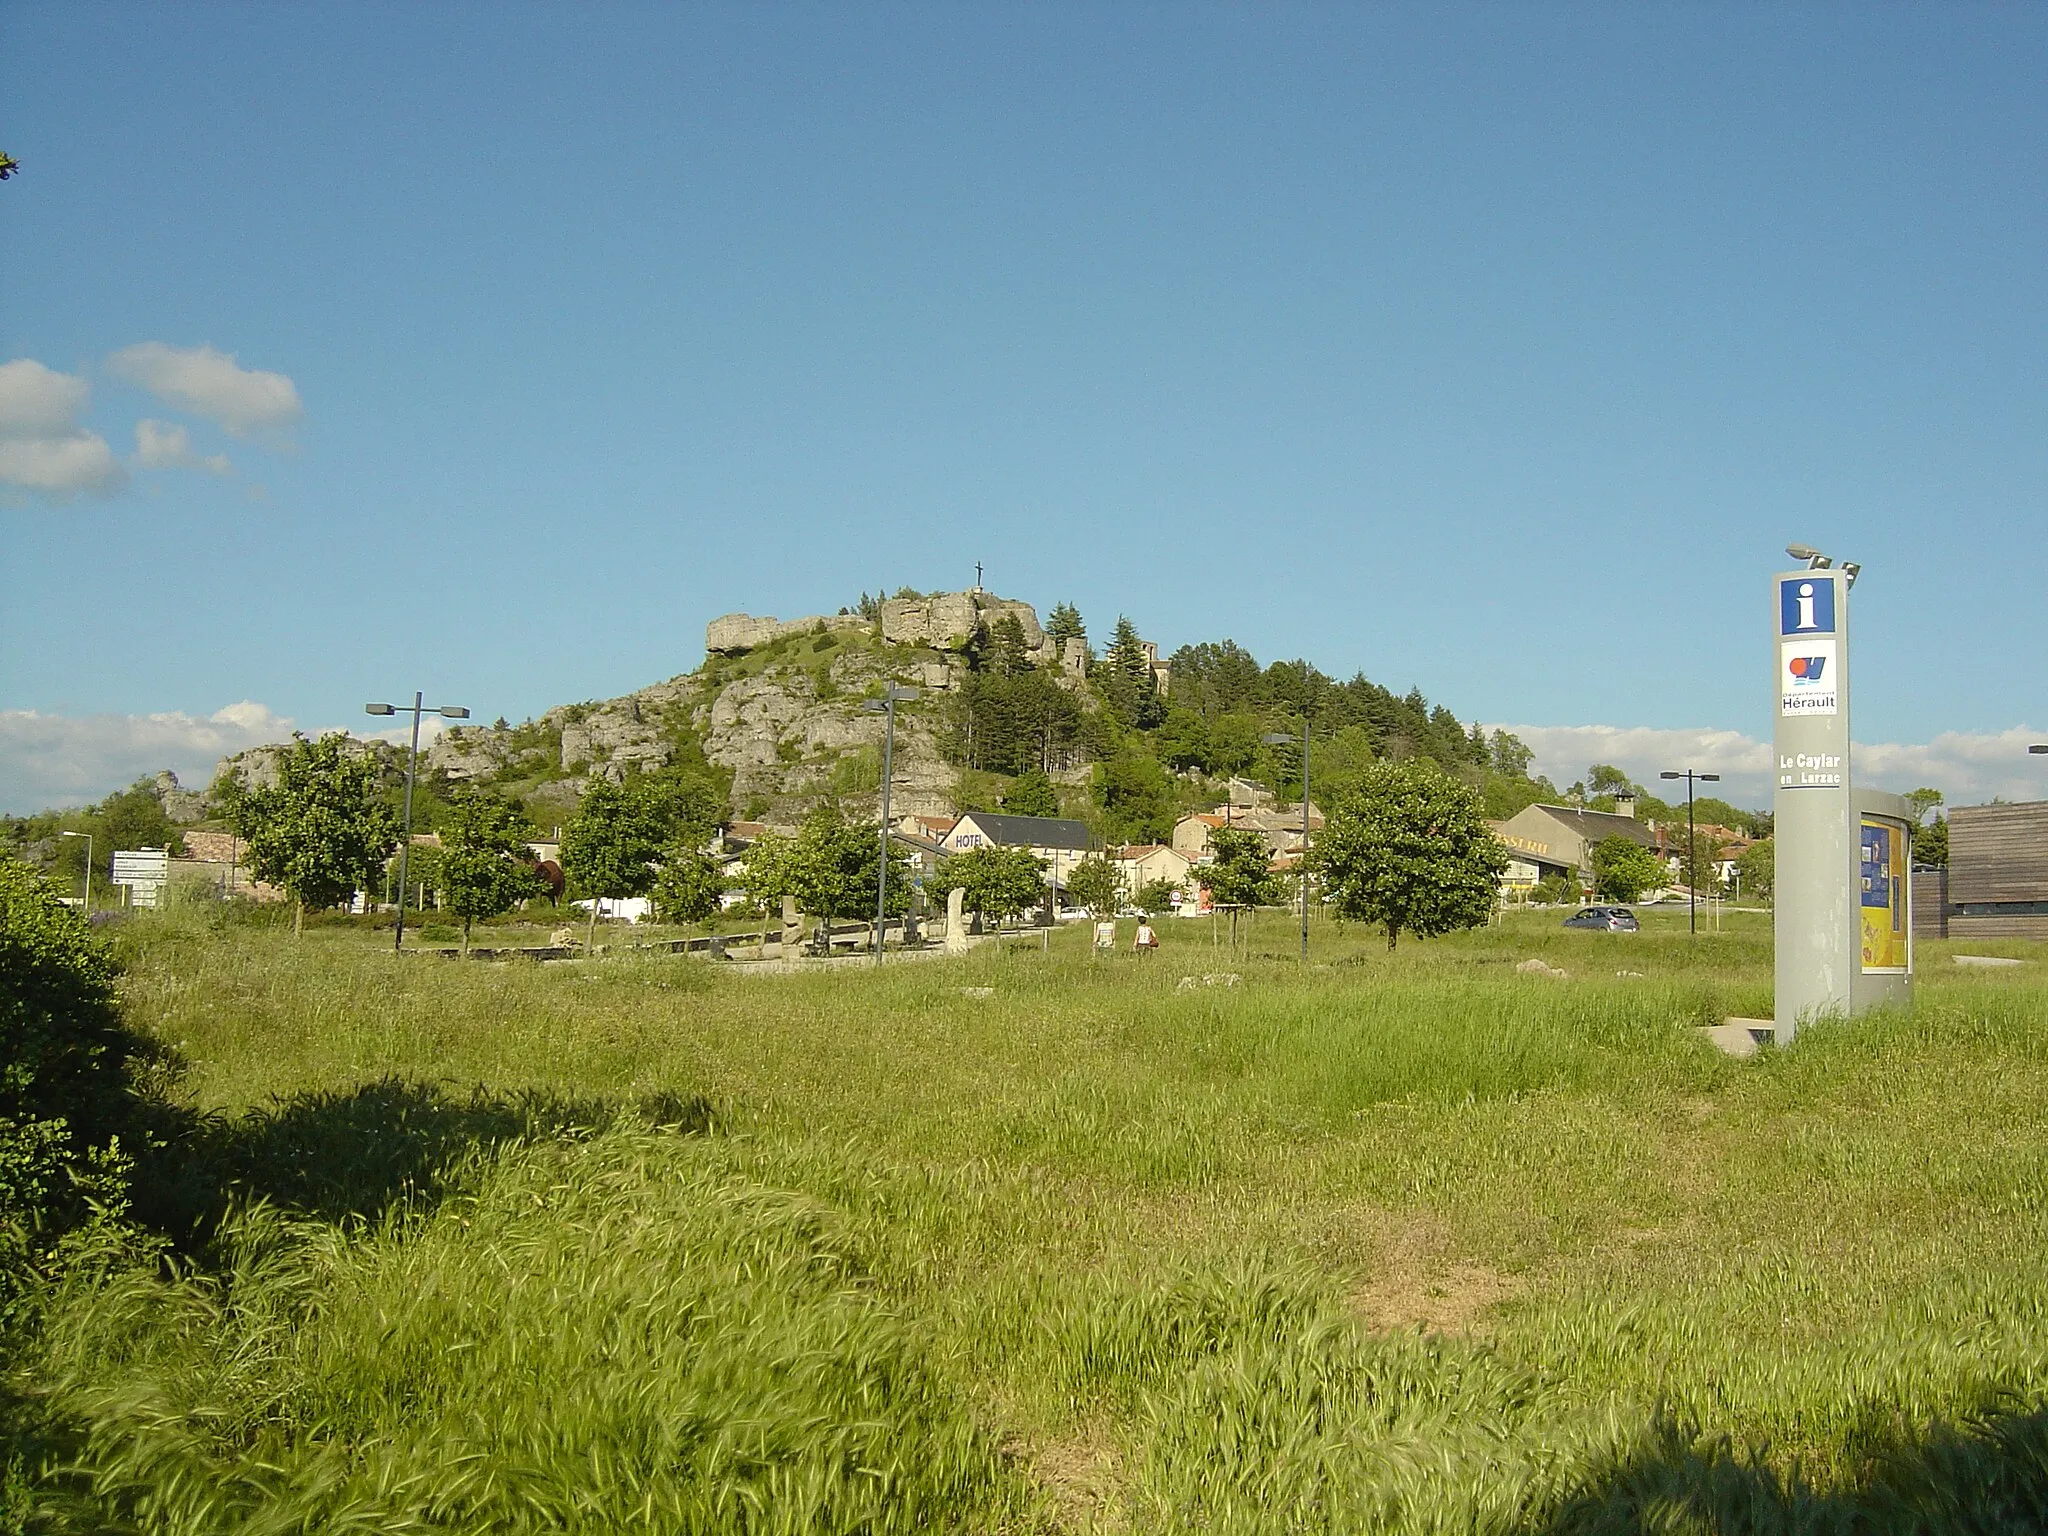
x=485 y=866
x=1699 y=859
x=1064 y=624
x=1930 y=831
x=1137 y=797
x=1234 y=742
x=1623 y=870
x=690 y=886
x=1031 y=794
x=1000 y=882
x=321 y=831
x=1510 y=756
x=1124 y=677
x=1409 y=848
x=1756 y=866
x=768 y=873
x=1097 y=885
x=1930 y=844
x=1008 y=654
x=1155 y=896
x=610 y=845
x=1606 y=779
x=1241 y=874
x=834 y=867
x=65 y=1060
x=1182 y=740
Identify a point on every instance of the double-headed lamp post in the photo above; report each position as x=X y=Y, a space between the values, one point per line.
x=886 y=705
x=1692 y=895
x=1281 y=739
x=416 y=708
x=87 y=908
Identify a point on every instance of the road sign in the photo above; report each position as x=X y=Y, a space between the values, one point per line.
x=145 y=871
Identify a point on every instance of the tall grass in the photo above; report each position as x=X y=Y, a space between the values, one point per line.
x=1410 y=1242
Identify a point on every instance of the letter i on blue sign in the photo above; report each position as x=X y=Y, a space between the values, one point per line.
x=1806 y=606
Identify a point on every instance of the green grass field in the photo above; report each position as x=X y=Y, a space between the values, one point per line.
x=1406 y=1242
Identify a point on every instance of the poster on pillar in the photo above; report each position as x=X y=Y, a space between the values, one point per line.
x=1885 y=885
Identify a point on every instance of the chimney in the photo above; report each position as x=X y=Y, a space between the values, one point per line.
x=1625 y=805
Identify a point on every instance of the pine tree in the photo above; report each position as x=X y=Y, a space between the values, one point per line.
x=1009 y=655
x=1064 y=624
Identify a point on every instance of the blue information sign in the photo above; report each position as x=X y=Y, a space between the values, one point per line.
x=1806 y=606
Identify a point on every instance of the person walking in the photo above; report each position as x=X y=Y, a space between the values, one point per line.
x=1146 y=940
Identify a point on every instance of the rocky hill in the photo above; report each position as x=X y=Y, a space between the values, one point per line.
x=776 y=705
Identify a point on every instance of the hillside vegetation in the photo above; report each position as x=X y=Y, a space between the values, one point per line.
x=1029 y=1241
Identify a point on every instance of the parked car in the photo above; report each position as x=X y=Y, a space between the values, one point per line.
x=1605 y=919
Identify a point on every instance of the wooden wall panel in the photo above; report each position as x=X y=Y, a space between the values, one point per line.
x=1998 y=853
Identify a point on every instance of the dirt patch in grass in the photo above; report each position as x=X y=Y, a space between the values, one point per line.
x=1420 y=1282
x=1083 y=1476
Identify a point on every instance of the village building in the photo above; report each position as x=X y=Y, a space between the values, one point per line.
x=1545 y=840
x=1280 y=825
x=1144 y=864
x=1997 y=873
x=1060 y=843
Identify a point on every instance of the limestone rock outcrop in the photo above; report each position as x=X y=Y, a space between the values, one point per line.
x=735 y=633
x=947 y=621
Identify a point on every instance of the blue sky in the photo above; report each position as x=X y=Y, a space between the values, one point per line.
x=1497 y=350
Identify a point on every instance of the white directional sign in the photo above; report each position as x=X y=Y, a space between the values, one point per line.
x=145 y=871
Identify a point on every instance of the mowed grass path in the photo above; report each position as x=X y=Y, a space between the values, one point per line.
x=1403 y=1241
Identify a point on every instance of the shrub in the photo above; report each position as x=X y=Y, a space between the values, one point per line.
x=64 y=1070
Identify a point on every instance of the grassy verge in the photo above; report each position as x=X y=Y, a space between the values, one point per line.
x=1028 y=1240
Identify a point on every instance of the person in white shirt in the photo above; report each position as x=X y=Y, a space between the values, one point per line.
x=1146 y=938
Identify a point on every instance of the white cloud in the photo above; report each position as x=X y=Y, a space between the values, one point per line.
x=210 y=383
x=50 y=760
x=42 y=446
x=1968 y=768
x=166 y=445
x=59 y=760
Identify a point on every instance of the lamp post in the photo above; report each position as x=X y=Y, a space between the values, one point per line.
x=886 y=705
x=1692 y=895
x=416 y=708
x=87 y=908
x=1281 y=739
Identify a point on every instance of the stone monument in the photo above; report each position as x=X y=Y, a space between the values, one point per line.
x=956 y=921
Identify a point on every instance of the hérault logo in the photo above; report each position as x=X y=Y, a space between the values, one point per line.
x=1807 y=671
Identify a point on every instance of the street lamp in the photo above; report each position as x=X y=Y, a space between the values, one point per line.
x=886 y=705
x=87 y=909
x=1281 y=739
x=1816 y=561
x=1692 y=895
x=416 y=708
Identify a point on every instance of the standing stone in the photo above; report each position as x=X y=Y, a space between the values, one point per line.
x=956 y=921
